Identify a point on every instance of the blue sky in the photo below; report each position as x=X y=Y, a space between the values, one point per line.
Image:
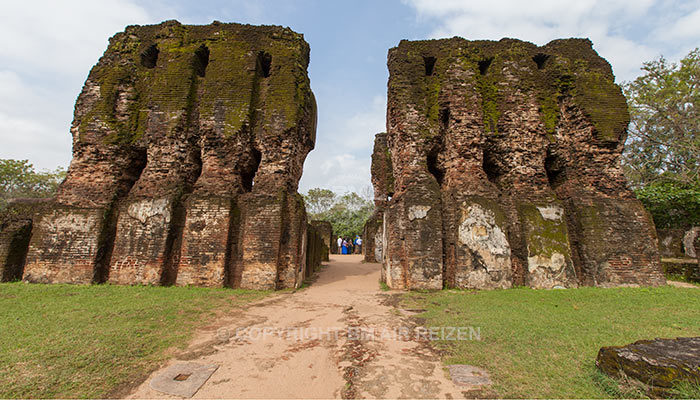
x=48 y=47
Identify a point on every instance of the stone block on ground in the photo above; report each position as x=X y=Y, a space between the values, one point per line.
x=661 y=364
x=183 y=379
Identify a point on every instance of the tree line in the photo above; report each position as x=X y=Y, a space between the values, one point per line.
x=347 y=212
x=662 y=153
x=19 y=179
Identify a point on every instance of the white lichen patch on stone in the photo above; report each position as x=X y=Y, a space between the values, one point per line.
x=146 y=209
x=394 y=275
x=548 y=253
x=422 y=282
x=555 y=263
x=481 y=279
x=667 y=240
x=68 y=223
x=688 y=240
x=378 y=245
x=480 y=233
x=417 y=212
x=551 y=212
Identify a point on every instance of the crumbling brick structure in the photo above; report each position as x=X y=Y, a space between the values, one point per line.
x=325 y=230
x=383 y=184
x=15 y=232
x=506 y=160
x=678 y=248
x=316 y=249
x=188 y=146
x=678 y=242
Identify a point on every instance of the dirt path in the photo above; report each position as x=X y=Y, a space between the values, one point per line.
x=302 y=345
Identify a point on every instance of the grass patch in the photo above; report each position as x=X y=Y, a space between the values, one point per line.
x=686 y=390
x=543 y=343
x=680 y=278
x=71 y=341
x=383 y=286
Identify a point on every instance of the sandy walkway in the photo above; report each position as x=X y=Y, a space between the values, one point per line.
x=301 y=345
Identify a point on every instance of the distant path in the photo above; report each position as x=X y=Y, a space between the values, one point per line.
x=324 y=364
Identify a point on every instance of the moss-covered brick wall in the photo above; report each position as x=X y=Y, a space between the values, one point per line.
x=485 y=131
x=325 y=229
x=383 y=184
x=175 y=126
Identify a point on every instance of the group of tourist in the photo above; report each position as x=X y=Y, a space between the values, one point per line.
x=350 y=246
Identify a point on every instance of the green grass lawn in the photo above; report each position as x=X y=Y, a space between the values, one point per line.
x=543 y=343
x=86 y=341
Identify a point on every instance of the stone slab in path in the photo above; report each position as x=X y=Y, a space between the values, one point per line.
x=468 y=375
x=659 y=363
x=183 y=379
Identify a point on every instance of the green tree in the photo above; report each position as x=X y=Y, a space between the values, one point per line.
x=18 y=179
x=663 y=142
x=319 y=201
x=347 y=213
x=671 y=204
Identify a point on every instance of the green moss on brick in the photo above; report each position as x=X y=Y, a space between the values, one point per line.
x=173 y=87
x=490 y=103
x=573 y=69
x=544 y=237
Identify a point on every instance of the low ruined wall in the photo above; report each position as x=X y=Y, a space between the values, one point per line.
x=383 y=185
x=679 y=252
x=316 y=248
x=505 y=158
x=372 y=237
x=188 y=146
x=16 y=223
x=678 y=243
x=325 y=229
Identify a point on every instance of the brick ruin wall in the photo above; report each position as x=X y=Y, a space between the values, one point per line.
x=505 y=158
x=383 y=185
x=680 y=252
x=188 y=146
x=678 y=242
x=325 y=230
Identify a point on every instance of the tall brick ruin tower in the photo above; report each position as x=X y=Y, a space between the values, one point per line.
x=188 y=146
x=505 y=163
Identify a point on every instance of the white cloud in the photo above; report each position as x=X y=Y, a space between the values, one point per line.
x=357 y=132
x=340 y=173
x=47 y=49
x=65 y=36
x=31 y=124
x=683 y=29
x=619 y=29
x=342 y=158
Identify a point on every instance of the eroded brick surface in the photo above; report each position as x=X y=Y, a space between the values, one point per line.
x=188 y=146
x=383 y=184
x=325 y=230
x=16 y=222
x=505 y=158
